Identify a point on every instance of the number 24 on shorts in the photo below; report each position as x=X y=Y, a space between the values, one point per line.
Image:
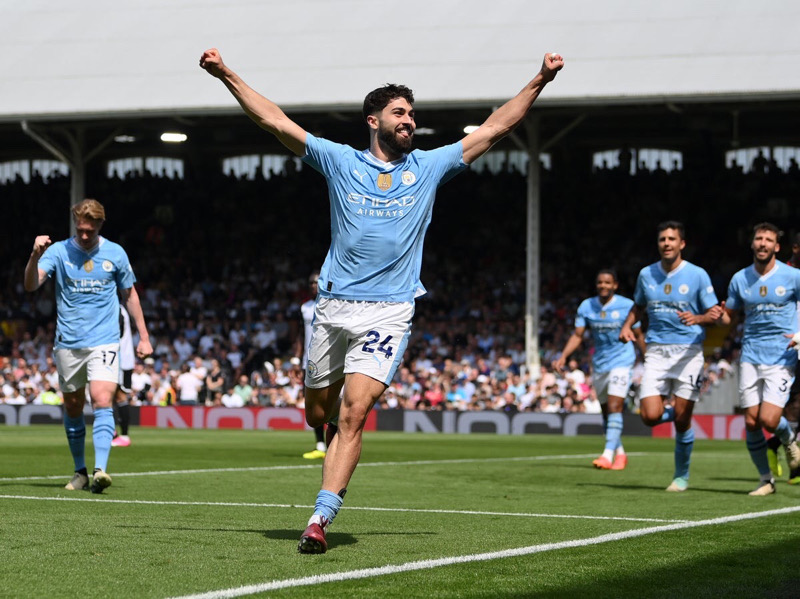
x=384 y=348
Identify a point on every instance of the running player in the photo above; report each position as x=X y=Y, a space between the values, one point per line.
x=612 y=361
x=767 y=293
x=679 y=300
x=381 y=202
x=89 y=271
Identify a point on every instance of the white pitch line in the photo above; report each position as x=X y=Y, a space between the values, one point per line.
x=478 y=557
x=346 y=508
x=317 y=466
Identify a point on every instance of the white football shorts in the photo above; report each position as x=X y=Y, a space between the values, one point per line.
x=76 y=367
x=760 y=383
x=616 y=383
x=357 y=336
x=672 y=370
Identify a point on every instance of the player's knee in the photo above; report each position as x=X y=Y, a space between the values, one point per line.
x=315 y=417
x=650 y=421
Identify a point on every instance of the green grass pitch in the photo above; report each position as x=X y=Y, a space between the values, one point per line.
x=218 y=514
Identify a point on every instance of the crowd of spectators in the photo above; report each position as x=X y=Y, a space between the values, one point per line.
x=222 y=266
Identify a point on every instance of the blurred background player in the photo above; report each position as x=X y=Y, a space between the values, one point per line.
x=612 y=361
x=792 y=410
x=127 y=360
x=381 y=200
x=767 y=293
x=307 y=311
x=89 y=271
x=679 y=300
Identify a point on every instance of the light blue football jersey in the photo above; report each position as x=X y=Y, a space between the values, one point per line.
x=769 y=303
x=87 y=305
x=604 y=321
x=688 y=288
x=379 y=215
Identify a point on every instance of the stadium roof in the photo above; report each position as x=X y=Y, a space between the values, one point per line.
x=134 y=57
x=132 y=65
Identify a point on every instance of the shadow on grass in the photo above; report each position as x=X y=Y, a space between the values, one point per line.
x=692 y=488
x=769 y=572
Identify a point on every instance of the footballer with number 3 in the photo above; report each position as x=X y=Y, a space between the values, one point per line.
x=381 y=200
x=89 y=271
x=767 y=293
x=679 y=301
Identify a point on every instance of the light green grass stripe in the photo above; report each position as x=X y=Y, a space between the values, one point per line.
x=479 y=557
x=349 y=507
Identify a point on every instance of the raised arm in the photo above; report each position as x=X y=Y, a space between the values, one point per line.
x=265 y=113
x=505 y=119
x=131 y=299
x=35 y=276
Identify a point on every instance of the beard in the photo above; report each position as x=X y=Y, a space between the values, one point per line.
x=764 y=261
x=397 y=144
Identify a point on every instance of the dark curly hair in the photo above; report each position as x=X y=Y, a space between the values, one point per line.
x=377 y=99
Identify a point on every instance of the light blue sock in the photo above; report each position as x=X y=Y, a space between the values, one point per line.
x=613 y=431
x=757 y=446
x=76 y=437
x=102 y=433
x=684 y=442
x=784 y=431
x=669 y=414
x=327 y=505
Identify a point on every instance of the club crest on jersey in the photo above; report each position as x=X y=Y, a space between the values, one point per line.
x=408 y=178
x=780 y=291
x=384 y=181
x=683 y=289
x=668 y=288
x=762 y=291
x=88 y=266
x=615 y=315
x=108 y=266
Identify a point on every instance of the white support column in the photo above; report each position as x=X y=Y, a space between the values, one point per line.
x=532 y=271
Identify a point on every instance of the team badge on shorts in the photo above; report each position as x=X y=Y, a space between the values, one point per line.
x=311 y=369
x=88 y=266
x=408 y=178
x=108 y=266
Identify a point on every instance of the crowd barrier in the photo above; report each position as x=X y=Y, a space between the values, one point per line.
x=720 y=427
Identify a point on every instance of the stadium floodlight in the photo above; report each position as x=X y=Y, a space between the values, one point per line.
x=124 y=139
x=175 y=138
x=470 y=128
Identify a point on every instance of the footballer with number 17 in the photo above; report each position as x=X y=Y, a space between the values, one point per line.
x=381 y=200
x=89 y=271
